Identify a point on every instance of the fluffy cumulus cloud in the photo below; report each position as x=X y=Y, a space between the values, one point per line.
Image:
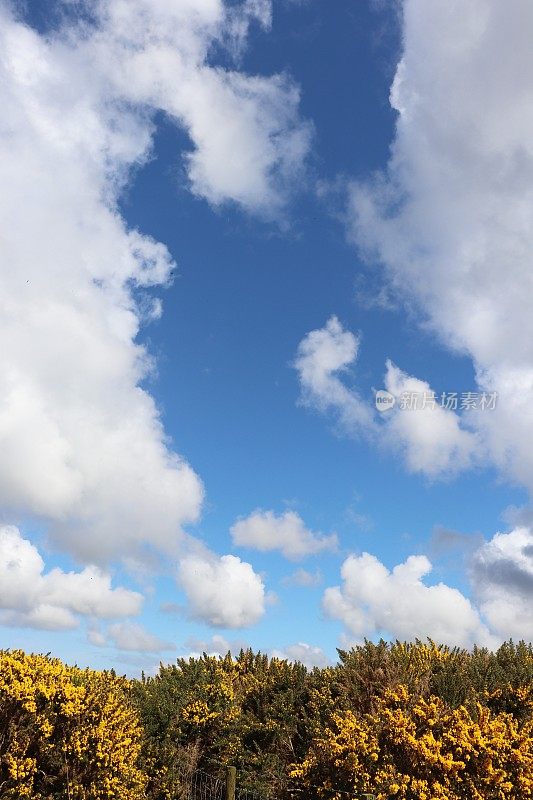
x=222 y=591
x=306 y=654
x=399 y=603
x=82 y=442
x=324 y=356
x=451 y=219
x=31 y=597
x=287 y=533
x=402 y=603
x=502 y=576
x=433 y=441
x=128 y=636
x=133 y=636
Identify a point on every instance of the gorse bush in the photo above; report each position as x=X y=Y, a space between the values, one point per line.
x=66 y=732
x=407 y=720
x=412 y=721
x=416 y=747
x=202 y=713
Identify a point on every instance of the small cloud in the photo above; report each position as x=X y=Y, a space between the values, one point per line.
x=173 y=608
x=433 y=440
x=132 y=636
x=305 y=654
x=33 y=598
x=370 y=296
x=303 y=578
x=271 y=598
x=323 y=356
x=129 y=636
x=222 y=591
x=96 y=637
x=445 y=541
x=217 y=645
x=363 y=521
x=266 y=531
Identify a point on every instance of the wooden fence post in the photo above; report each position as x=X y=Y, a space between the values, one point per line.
x=231 y=782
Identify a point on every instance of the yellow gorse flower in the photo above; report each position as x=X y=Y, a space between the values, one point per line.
x=67 y=728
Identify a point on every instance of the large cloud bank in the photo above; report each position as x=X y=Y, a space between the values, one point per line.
x=82 y=443
x=451 y=219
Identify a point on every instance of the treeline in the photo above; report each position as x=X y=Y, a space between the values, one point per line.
x=410 y=721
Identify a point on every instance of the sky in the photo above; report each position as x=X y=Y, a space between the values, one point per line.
x=228 y=230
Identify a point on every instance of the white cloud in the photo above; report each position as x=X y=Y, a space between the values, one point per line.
x=266 y=531
x=126 y=636
x=249 y=142
x=502 y=576
x=432 y=440
x=303 y=578
x=216 y=645
x=305 y=653
x=323 y=356
x=96 y=637
x=258 y=113
x=82 y=443
x=31 y=597
x=452 y=218
x=222 y=591
x=133 y=636
x=375 y=601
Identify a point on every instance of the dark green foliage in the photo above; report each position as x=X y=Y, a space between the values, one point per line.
x=261 y=714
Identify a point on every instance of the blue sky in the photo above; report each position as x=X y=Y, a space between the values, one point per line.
x=256 y=271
